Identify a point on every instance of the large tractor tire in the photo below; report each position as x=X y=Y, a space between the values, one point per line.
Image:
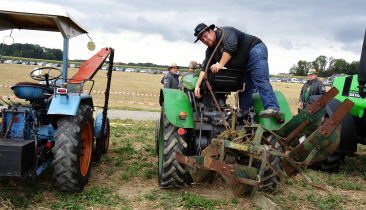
x=171 y=173
x=72 y=153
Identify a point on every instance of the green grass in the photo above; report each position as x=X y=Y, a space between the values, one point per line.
x=92 y=197
x=331 y=201
x=173 y=200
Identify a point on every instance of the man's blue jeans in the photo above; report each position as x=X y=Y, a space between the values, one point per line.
x=256 y=76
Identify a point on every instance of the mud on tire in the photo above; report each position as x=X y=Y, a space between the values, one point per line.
x=72 y=151
x=171 y=173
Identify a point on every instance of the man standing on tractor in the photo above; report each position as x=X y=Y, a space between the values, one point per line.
x=239 y=50
x=170 y=80
x=311 y=90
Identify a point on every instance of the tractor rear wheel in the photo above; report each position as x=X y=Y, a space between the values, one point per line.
x=171 y=173
x=72 y=153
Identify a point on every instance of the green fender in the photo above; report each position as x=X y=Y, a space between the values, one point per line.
x=175 y=101
x=271 y=123
x=189 y=81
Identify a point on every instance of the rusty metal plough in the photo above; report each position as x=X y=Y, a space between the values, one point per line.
x=256 y=158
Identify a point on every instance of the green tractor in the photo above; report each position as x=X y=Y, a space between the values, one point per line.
x=353 y=126
x=198 y=138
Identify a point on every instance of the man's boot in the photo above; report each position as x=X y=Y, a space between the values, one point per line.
x=268 y=113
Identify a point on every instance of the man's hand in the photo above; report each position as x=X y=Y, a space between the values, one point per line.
x=216 y=67
x=197 y=91
x=301 y=105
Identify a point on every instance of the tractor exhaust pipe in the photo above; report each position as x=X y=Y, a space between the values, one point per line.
x=362 y=70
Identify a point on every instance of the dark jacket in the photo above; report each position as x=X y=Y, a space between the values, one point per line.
x=171 y=80
x=311 y=91
x=237 y=43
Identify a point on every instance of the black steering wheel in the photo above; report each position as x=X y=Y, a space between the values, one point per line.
x=51 y=73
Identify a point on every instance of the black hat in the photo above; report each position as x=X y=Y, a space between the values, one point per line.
x=200 y=28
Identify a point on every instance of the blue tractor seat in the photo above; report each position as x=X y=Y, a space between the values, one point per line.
x=31 y=91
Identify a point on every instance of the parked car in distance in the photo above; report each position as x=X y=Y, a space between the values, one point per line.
x=294 y=80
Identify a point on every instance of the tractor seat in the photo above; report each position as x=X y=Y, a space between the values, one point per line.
x=31 y=91
x=34 y=84
x=226 y=80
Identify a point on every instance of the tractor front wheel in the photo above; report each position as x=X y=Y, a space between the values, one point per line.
x=171 y=173
x=72 y=153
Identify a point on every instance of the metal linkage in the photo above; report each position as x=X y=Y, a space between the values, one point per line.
x=245 y=158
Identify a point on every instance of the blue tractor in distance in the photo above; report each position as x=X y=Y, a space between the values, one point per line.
x=55 y=127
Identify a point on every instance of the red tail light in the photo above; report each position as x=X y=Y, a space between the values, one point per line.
x=281 y=120
x=61 y=90
x=181 y=131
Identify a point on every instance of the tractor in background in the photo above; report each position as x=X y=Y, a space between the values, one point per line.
x=55 y=127
x=353 y=131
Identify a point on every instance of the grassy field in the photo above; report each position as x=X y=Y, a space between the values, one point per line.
x=126 y=179
x=129 y=90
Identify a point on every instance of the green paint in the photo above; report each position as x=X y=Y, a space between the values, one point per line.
x=189 y=81
x=175 y=102
x=360 y=103
x=315 y=121
x=271 y=123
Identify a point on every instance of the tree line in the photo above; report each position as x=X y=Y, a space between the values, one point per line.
x=30 y=51
x=38 y=52
x=325 y=66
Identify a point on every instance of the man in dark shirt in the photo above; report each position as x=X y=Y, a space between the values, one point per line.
x=311 y=90
x=171 y=79
x=239 y=50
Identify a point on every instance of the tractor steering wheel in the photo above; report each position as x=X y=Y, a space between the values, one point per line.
x=50 y=73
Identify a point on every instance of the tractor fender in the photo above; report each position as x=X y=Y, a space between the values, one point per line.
x=173 y=102
x=98 y=125
x=271 y=123
x=68 y=104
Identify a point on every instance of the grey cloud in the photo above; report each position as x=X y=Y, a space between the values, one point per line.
x=275 y=21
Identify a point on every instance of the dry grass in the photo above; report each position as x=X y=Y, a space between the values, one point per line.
x=125 y=83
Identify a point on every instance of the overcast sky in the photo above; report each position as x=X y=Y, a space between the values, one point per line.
x=161 y=31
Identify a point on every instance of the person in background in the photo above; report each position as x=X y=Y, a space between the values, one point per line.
x=311 y=90
x=171 y=80
x=193 y=65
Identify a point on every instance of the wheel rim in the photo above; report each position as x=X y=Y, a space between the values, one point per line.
x=86 y=150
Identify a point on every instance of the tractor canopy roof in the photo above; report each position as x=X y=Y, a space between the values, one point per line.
x=38 y=16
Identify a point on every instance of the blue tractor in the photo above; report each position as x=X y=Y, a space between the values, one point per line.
x=55 y=127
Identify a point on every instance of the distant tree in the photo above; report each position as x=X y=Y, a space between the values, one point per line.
x=30 y=51
x=301 y=68
x=340 y=66
x=320 y=64
x=354 y=67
